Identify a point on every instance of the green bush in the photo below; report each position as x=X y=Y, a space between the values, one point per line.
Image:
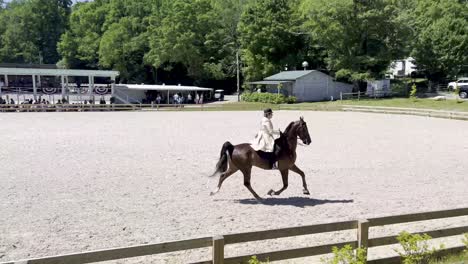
x=254 y=260
x=399 y=88
x=268 y=98
x=457 y=90
x=347 y=255
x=413 y=92
x=465 y=241
x=415 y=248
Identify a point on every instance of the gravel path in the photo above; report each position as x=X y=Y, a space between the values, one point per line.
x=72 y=182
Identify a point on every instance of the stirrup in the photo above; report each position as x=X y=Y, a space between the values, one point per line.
x=275 y=166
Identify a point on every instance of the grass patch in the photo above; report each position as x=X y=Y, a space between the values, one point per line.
x=447 y=105
x=453 y=259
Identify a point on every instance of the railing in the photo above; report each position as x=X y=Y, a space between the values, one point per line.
x=407 y=111
x=368 y=94
x=218 y=242
x=229 y=107
x=84 y=107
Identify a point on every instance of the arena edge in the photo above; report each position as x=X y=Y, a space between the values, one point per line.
x=218 y=242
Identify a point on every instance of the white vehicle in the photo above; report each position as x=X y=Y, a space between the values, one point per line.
x=219 y=95
x=458 y=83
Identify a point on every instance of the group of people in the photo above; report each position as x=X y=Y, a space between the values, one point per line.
x=179 y=98
x=6 y=101
x=176 y=98
x=30 y=101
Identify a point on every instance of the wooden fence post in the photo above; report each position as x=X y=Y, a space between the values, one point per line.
x=218 y=250
x=363 y=234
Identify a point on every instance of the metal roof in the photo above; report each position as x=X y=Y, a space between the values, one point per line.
x=288 y=75
x=270 y=82
x=57 y=72
x=154 y=87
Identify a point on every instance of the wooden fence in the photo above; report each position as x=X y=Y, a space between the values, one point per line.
x=366 y=95
x=227 y=107
x=407 y=111
x=218 y=242
x=88 y=107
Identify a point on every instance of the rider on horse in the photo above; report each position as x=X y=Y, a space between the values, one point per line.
x=265 y=138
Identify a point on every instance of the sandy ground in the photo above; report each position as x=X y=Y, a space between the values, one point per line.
x=72 y=182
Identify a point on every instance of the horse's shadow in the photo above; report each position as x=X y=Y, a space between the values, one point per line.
x=291 y=201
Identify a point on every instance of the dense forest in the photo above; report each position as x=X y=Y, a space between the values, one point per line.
x=197 y=41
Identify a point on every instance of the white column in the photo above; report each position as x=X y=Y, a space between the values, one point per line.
x=66 y=86
x=6 y=80
x=63 y=86
x=34 y=87
x=112 y=85
x=90 y=87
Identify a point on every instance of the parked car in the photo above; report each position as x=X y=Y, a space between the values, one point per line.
x=463 y=92
x=219 y=95
x=458 y=83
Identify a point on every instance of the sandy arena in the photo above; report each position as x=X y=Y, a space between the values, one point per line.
x=73 y=182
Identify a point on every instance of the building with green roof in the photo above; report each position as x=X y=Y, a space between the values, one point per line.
x=306 y=86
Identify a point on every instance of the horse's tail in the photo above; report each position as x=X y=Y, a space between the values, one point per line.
x=222 y=164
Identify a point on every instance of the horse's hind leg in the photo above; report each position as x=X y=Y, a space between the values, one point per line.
x=284 y=176
x=300 y=172
x=246 y=173
x=230 y=171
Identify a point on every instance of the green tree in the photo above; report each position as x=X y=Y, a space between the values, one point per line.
x=441 y=37
x=125 y=39
x=360 y=37
x=79 y=45
x=180 y=35
x=268 y=39
x=223 y=43
x=31 y=29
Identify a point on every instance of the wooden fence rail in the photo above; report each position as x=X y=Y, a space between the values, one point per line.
x=226 y=107
x=218 y=243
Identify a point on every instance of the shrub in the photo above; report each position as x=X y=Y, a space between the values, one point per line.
x=291 y=100
x=268 y=98
x=415 y=248
x=399 y=88
x=254 y=260
x=465 y=241
x=413 y=92
x=457 y=90
x=346 y=255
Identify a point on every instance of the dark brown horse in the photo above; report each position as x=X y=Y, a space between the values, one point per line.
x=243 y=157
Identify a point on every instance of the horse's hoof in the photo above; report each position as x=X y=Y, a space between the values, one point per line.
x=306 y=192
x=270 y=192
x=212 y=193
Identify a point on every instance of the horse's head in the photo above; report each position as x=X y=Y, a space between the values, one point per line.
x=303 y=131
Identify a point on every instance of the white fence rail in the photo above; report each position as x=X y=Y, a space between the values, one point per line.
x=407 y=111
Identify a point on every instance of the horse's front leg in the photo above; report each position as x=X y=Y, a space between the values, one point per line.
x=300 y=172
x=284 y=175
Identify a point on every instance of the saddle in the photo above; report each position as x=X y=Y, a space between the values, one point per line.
x=270 y=156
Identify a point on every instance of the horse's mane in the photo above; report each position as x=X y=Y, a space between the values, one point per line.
x=288 y=128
